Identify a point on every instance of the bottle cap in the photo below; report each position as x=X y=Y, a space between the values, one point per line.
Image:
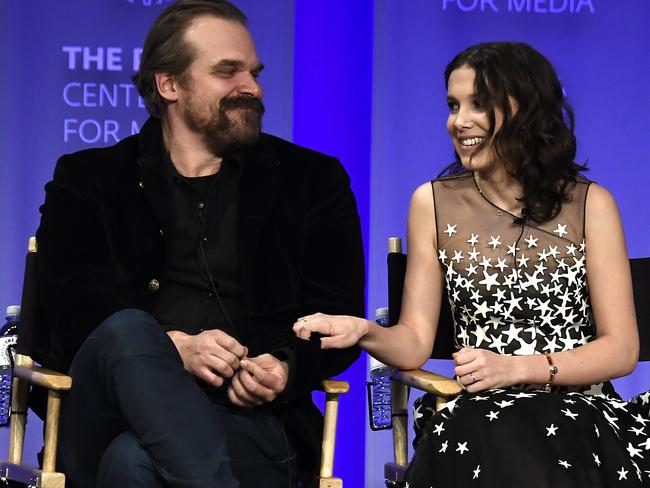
x=381 y=313
x=13 y=311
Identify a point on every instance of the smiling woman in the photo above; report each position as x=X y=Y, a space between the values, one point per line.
x=533 y=260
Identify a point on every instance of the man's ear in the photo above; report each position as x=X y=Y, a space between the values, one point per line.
x=167 y=86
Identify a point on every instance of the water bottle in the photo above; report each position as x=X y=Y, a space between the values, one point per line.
x=379 y=385
x=8 y=339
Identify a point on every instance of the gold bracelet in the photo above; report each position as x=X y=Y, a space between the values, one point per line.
x=552 y=371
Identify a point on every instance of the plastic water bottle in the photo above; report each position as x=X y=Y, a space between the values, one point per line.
x=8 y=339
x=379 y=385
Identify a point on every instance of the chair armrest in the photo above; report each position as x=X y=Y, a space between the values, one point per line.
x=334 y=386
x=428 y=381
x=46 y=378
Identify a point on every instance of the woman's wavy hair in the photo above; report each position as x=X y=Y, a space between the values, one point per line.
x=536 y=143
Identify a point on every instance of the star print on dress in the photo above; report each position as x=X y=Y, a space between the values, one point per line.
x=451 y=229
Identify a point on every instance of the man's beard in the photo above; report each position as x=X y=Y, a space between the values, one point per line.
x=235 y=124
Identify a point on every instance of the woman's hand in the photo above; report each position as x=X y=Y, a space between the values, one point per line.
x=339 y=331
x=480 y=369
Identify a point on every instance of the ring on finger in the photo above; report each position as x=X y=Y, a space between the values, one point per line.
x=471 y=375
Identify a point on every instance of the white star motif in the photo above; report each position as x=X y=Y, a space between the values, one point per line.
x=513 y=302
x=639 y=418
x=552 y=251
x=497 y=343
x=489 y=280
x=551 y=345
x=477 y=471
x=512 y=249
x=458 y=256
x=633 y=450
x=551 y=430
x=560 y=230
x=462 y=448
x=571 y=249
x=597 y=431
x=569 y=413
x=479 y=332
x=531 y=241
x=451 y=229
x=523 y=261
x=482 y=308
x=494 y=241
x=646 y=444
x=485 y=262
x=522 y=394
x=622 y=474
x=492 y=415
x=564 y=463
x=443 y=447
x=416 y=412
x=637 y=430
x=439 y=429
x=596 y=459
x=442 y=255
x=501 y=264
x=505 y=403
x=473 y=254
x=473 y=240
x=471 y=270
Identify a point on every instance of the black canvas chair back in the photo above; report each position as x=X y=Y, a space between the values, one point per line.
x=641 y=282
x=444 y=344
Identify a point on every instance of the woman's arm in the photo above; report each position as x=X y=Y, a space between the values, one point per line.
x=408 y=344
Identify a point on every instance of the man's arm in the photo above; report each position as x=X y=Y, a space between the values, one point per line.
x=333 y=278
x=78 y=285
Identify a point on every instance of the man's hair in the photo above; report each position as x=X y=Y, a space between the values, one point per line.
x=166 y=50
x=536 y=142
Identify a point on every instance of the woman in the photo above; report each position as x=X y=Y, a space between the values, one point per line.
x=534 y=261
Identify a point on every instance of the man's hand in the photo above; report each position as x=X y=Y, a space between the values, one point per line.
x=260 y=380
x=211 y=355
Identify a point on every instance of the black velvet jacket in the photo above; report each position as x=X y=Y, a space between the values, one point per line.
x=101 y=246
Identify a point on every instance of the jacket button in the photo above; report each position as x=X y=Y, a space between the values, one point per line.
x=153 y=285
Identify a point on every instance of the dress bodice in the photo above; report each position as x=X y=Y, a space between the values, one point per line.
x=515 y=287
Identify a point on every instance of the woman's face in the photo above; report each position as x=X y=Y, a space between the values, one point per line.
x=468 y=122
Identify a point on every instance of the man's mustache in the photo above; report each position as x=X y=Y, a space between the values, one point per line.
x=244 y=103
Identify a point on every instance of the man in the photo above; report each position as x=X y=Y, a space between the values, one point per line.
x=173 y=265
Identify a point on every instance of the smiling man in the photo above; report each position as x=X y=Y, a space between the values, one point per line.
x=172 y=266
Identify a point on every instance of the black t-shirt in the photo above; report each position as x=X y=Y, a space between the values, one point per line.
x=201 y=254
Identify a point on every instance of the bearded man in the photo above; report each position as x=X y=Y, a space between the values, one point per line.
x=173 y=265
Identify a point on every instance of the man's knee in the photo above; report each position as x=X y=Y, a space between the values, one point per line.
x=129 y=331
x=126 y=463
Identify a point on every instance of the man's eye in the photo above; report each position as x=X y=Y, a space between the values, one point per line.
x=225 y=73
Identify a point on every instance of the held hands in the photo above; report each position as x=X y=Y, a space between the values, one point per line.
x=479 y=369
x=211 y=355
x=259 y=380
x=340 y=331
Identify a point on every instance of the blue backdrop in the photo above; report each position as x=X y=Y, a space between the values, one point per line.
x=360 y=80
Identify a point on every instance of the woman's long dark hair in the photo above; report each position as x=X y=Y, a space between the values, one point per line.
x=536 y=143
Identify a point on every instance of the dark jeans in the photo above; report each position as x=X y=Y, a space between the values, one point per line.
x=136 y=418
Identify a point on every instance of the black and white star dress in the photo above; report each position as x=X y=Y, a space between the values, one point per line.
x=520 y=289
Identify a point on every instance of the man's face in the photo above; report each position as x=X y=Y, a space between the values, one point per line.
x=219 y=96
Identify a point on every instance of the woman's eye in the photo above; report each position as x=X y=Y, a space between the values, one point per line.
x=453 y=106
